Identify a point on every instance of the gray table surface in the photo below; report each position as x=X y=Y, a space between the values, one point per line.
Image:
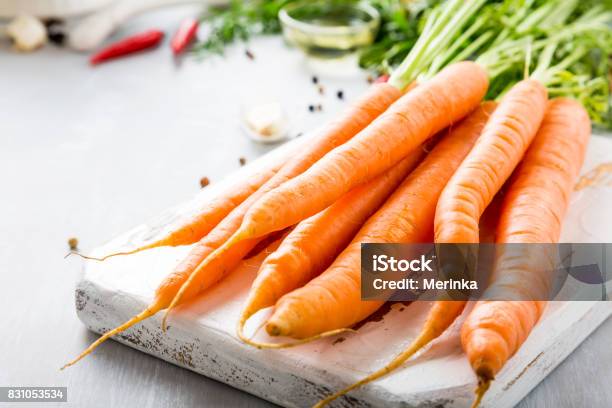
x=92 y=152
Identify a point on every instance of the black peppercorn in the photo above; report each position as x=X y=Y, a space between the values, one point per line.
x=55 y=31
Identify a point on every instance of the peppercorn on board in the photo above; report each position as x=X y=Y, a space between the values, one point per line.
x=201 y=334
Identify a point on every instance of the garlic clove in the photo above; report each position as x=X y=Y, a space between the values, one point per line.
x=266 y=122
x=28 y=33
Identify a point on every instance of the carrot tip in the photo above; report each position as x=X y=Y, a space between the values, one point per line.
x=148 y=312
x=242 y=323
x=296 y=342
x=273 y=329
x=89 y=258
x=164 y=323
x=249 y=340
x=105 y=257
x=483 y=387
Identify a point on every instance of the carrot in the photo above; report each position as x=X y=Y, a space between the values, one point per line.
x=532 y=212
x=443 y=100
x=409 y=215
x=415 y=117
x=209 y=215
x=471 y=189
x=315 y=242
x=509 y=131
x=358 y=116
x=213 y=258
x=504 y=141
x=332 y=300
x=409 y=122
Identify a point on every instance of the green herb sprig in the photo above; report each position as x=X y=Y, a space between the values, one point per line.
x=238 y=22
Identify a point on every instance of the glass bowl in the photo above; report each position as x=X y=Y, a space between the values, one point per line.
x=329 y=29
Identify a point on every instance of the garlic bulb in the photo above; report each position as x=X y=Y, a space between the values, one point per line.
x=28 y=33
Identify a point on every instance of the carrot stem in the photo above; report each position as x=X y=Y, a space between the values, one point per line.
x=450 y=30
x=440 y=31
x=443 y=58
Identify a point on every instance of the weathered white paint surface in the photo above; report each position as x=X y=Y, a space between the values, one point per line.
x=201 y=337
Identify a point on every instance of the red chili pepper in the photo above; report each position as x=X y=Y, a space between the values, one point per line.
x=129 y=45
x=185 y=34
x=381 y=79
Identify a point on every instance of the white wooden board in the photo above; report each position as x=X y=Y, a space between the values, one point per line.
x=201 y=337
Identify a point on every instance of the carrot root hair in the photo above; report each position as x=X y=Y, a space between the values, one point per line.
x=114 y=254
x=293 y=343
x=234 y=239
x=145 y=314
x=244 y=317
x=240 y=328
x=418 y=343
x=483 y=387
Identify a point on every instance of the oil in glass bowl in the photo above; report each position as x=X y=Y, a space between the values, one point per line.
x=329 y=29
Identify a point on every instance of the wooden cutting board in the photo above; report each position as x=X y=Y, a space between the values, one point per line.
x=201 y=335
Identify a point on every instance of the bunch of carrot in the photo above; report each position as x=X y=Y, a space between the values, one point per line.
x=417 y=159
x=328 y=172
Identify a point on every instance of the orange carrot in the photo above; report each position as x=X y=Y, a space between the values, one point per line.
x=419 y=114
x=219 y=207
x=410 y=121
x=504 y=141
x=357 y=117
x=532 y=212
x=332 y=300
x=471 y=189
x=439 y=318
x=211 y=260
x=315 y=242
x=209 y=215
